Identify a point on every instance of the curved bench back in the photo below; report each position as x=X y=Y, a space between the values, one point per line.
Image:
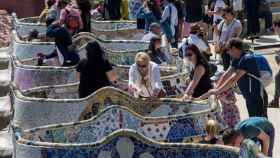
x=125 y=143
x=112 y=25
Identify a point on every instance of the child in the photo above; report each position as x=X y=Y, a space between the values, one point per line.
x=230 y=112
x=212 y=130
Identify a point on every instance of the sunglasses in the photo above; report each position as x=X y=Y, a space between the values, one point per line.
x=189 y=54
x=142 y=65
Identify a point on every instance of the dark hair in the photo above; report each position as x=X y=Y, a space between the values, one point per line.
x=229 y=10
x=94 y=51
x=152 y=49
x=51 y=3
x=84 y=5
x=229 y=136
x=237 y=43
x=201 y=60
x=154 y=8
x=33 y=33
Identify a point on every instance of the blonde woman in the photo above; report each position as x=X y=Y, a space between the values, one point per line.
x=144 y=78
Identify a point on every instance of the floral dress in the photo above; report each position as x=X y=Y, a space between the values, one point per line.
x=230 y=112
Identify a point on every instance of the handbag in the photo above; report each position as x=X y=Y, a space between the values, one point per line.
x=167 y=28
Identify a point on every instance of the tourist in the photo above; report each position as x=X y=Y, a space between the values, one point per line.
x=140 y=16
x=212 y=130
x=71 y=18
x=242 y=66
x=275 y=102
x=44 y=14
x=169 y=21
x=112 y=9
x=200 y=81
x=194 y=14
x=197 y=41
x=85 y=7
x=226 y=30
x=218 y=11
x=251 y=12
x=124 y=10
x=144 y=78
x=155 y=31
x=55 y=10
x=98 y=12
x=179 y=4
x=265 y=13
x=256 y=128
x=66 y=54
x=94 y=72
x=155 y=53
x=230 y=111
x=152 y=14
x=133 y=8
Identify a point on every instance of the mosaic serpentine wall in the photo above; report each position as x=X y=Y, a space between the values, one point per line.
x=122 y=144
x=33 y=110
x=129 y=34
x=115 y=118
x=25 y=25
x=112 y=25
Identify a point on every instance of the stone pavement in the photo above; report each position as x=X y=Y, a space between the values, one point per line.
x=273 y=114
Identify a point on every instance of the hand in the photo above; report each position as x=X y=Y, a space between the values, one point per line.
x=213 y=92
x=187 y=97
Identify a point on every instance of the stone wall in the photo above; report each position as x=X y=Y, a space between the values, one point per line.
x=23 y=8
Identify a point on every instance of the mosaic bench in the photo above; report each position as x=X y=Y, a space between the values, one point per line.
x=112 y=25
x=48 y=105
x=128 y=34
x=120 y=144
x=24 y=25
x=118 y=51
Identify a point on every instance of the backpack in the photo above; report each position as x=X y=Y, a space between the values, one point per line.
x=266 y=75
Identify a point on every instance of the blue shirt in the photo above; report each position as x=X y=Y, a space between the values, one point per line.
x=253 y=126
x=249 y=86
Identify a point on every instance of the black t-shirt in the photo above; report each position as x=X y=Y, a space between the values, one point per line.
x=93 y=76
x=249 y=86
x=204 y=84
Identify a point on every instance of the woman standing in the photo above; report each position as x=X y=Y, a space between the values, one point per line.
x=144 y=78
x=200 y=82
x=85 y=7
x=152 y=14
x=94 y=72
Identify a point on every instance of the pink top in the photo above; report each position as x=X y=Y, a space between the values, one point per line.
x=157 y=3
x=70 y=11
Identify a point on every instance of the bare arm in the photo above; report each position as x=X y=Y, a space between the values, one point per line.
x=265 y=142
x=198 y=73
x=78 y=76
x=112 y=75
x=231 y=81
x=225 y=76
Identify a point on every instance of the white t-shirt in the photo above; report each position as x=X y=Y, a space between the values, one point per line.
x=237 y=5
x=220 y=4
x=153 y=79
x=194 y=39
x=174 y=16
